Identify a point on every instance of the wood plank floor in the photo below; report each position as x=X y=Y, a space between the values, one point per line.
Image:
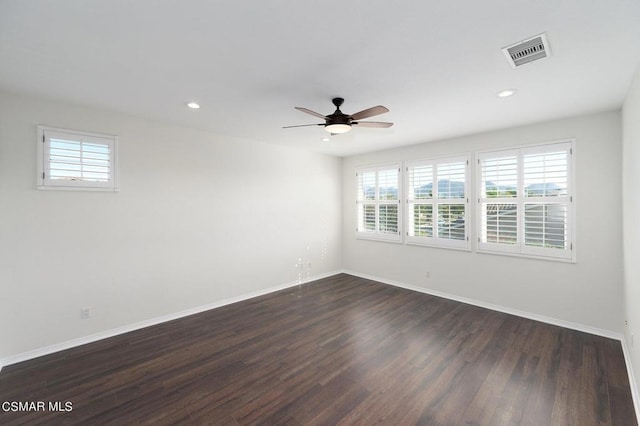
x=342 y=350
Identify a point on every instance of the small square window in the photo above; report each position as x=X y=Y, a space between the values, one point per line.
x=69 y=159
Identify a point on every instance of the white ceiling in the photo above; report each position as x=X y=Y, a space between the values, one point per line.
x=437 y=65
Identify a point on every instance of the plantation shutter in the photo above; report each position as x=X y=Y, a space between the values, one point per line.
x=498 y=200
x=420 y=200
x=525 y=201
x=378 y=202
x=77 y=160
x=388 y=183
x=546 y=197
x=437 y=202
x=366 y=201
x=451 y=205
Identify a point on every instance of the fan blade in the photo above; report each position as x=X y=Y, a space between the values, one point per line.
x=380 y=124
x=302 y=125
x=308 y=111
x=369 y=112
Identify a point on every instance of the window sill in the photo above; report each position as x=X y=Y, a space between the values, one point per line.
x=378 y=237
x=528 y=256
x=76 y=188
x=439 y=246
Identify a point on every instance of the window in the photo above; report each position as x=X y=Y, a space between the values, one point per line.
x=378 y=202
x=437 y=200
x=69 y=159
x=525 y=201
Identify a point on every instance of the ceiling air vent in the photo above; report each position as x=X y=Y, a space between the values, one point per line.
x=528 y=50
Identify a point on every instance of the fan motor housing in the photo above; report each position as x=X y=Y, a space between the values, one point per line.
x=338 y=118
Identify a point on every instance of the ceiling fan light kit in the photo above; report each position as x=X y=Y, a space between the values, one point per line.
x=336 y=129
x=339 y=122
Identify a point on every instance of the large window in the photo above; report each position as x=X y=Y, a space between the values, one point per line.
x=69 y=159
x=378 y=202
x=437 y=200
x=525 y=201
x=524 y=194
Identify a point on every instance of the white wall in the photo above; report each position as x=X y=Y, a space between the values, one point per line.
x=199 y=218
x=588 y=292
x=631 y=213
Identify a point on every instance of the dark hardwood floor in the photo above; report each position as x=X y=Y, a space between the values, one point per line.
x=342 y=350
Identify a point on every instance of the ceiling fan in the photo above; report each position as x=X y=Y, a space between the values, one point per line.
x=338 y=122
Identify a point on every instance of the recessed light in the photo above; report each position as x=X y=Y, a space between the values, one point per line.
x=325 y=139
x=193 y=105
x=507 y=93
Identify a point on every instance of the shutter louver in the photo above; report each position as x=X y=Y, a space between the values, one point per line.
x=369 y=216
x=367 y=186
x=545 y=225
x=500 y=177
x=421 y=220
x=421 y=182
x=451 y=221
x=388 y=185
x=388 y=214
x=71 y=160
x=451 y=179
x=500 y=223
x=545 y=174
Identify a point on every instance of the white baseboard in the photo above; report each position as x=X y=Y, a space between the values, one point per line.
x=632 y=378
x=549 y=320
x=25 y=356
x=499 y=308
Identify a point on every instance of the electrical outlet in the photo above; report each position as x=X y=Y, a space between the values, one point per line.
x=85 y=312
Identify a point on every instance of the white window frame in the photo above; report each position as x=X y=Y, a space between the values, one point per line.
x=436 y=202
x=377 y=235
x=45 y=133
x=520 y=248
